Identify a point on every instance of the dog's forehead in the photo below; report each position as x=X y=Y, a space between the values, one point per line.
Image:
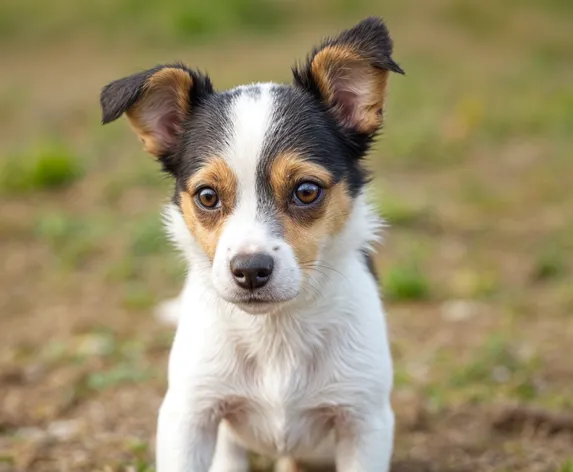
x=251 y=125
x=252 y=119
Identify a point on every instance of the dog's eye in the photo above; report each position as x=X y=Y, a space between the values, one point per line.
x=307 y=193
x=208 y=198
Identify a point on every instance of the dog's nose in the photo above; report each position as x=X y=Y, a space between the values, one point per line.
x=252 y=271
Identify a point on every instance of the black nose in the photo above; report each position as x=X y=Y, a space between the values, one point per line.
x=252 y=271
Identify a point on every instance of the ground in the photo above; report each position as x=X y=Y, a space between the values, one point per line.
x=473 y=174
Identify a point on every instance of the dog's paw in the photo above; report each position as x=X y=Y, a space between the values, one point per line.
x=167 y=312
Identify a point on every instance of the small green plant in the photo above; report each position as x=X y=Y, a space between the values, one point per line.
x=567 y=466
x=406 y=282
x=550 y=264
x=48 y=167
x=141 y=453
x=398 y=213
x=6 y=459
x=120 y=374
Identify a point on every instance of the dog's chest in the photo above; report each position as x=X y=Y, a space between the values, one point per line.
x=283 y=411
x=284 y=399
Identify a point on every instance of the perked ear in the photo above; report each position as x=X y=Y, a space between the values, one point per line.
x=349 y=74
x=156 y=102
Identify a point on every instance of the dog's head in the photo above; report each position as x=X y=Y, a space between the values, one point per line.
x=266 y=175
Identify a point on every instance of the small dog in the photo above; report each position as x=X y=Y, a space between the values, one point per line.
x=281 y=346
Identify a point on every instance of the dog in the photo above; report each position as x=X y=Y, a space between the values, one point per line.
x=281 y=345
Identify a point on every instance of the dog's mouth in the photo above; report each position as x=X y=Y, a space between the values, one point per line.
x=256 y=305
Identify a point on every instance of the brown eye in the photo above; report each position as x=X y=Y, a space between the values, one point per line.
x=306 y=193
x=208 y=198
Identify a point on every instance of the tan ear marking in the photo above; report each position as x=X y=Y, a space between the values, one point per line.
x=351 y=85
x=325 y=63
x=157 y=116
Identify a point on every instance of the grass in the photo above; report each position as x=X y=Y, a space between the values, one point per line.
x=141 y=452
x=496 y=368
x=48 y=166
x=149 y=22
x=550 y=264
x=138 y=296
x=397 y=212
x=567 y=466
x=148 y=236
x=73 y=240
x=119 y=361
x=178 y=19
x=117 y=375
x=403 y=283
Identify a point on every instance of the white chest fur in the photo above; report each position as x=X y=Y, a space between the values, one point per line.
x=282 y=382
x=286 y=402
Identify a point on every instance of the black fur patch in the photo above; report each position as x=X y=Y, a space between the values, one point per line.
x=206 y=132
x=369 y=261
x=303 y=125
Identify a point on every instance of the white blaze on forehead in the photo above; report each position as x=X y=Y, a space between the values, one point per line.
x=245 y=231
x=251 y=117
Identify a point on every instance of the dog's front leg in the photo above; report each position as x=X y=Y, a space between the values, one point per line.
x=365 y=445
x=186 y=435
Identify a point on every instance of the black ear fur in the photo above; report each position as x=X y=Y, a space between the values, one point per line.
x=120 y=95
x=369 y=38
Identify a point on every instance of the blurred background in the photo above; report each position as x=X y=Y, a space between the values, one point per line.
x=474 y=173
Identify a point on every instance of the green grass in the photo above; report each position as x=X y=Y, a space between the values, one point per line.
x=497 y=369
x=550 y=264
x=148 y=236
x=119 y=361
x=178 y=19
x=472 y=17
x=127 y=268
x=49 y=166
x=403 y=283
x=138 y=296
x=567 y=466
x=73 y=240
x=141 y=455
x=151 y=22
x=122 y=373
x=397 y=212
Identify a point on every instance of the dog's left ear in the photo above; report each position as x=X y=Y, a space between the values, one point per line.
x=156 y=102
x=349 y=74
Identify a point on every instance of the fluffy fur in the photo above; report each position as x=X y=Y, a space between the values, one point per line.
x=291 y=359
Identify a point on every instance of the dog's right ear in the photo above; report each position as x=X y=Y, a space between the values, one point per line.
x=349 y=74
x=156 y=102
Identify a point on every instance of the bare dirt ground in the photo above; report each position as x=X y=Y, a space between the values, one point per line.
x=473 y=174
